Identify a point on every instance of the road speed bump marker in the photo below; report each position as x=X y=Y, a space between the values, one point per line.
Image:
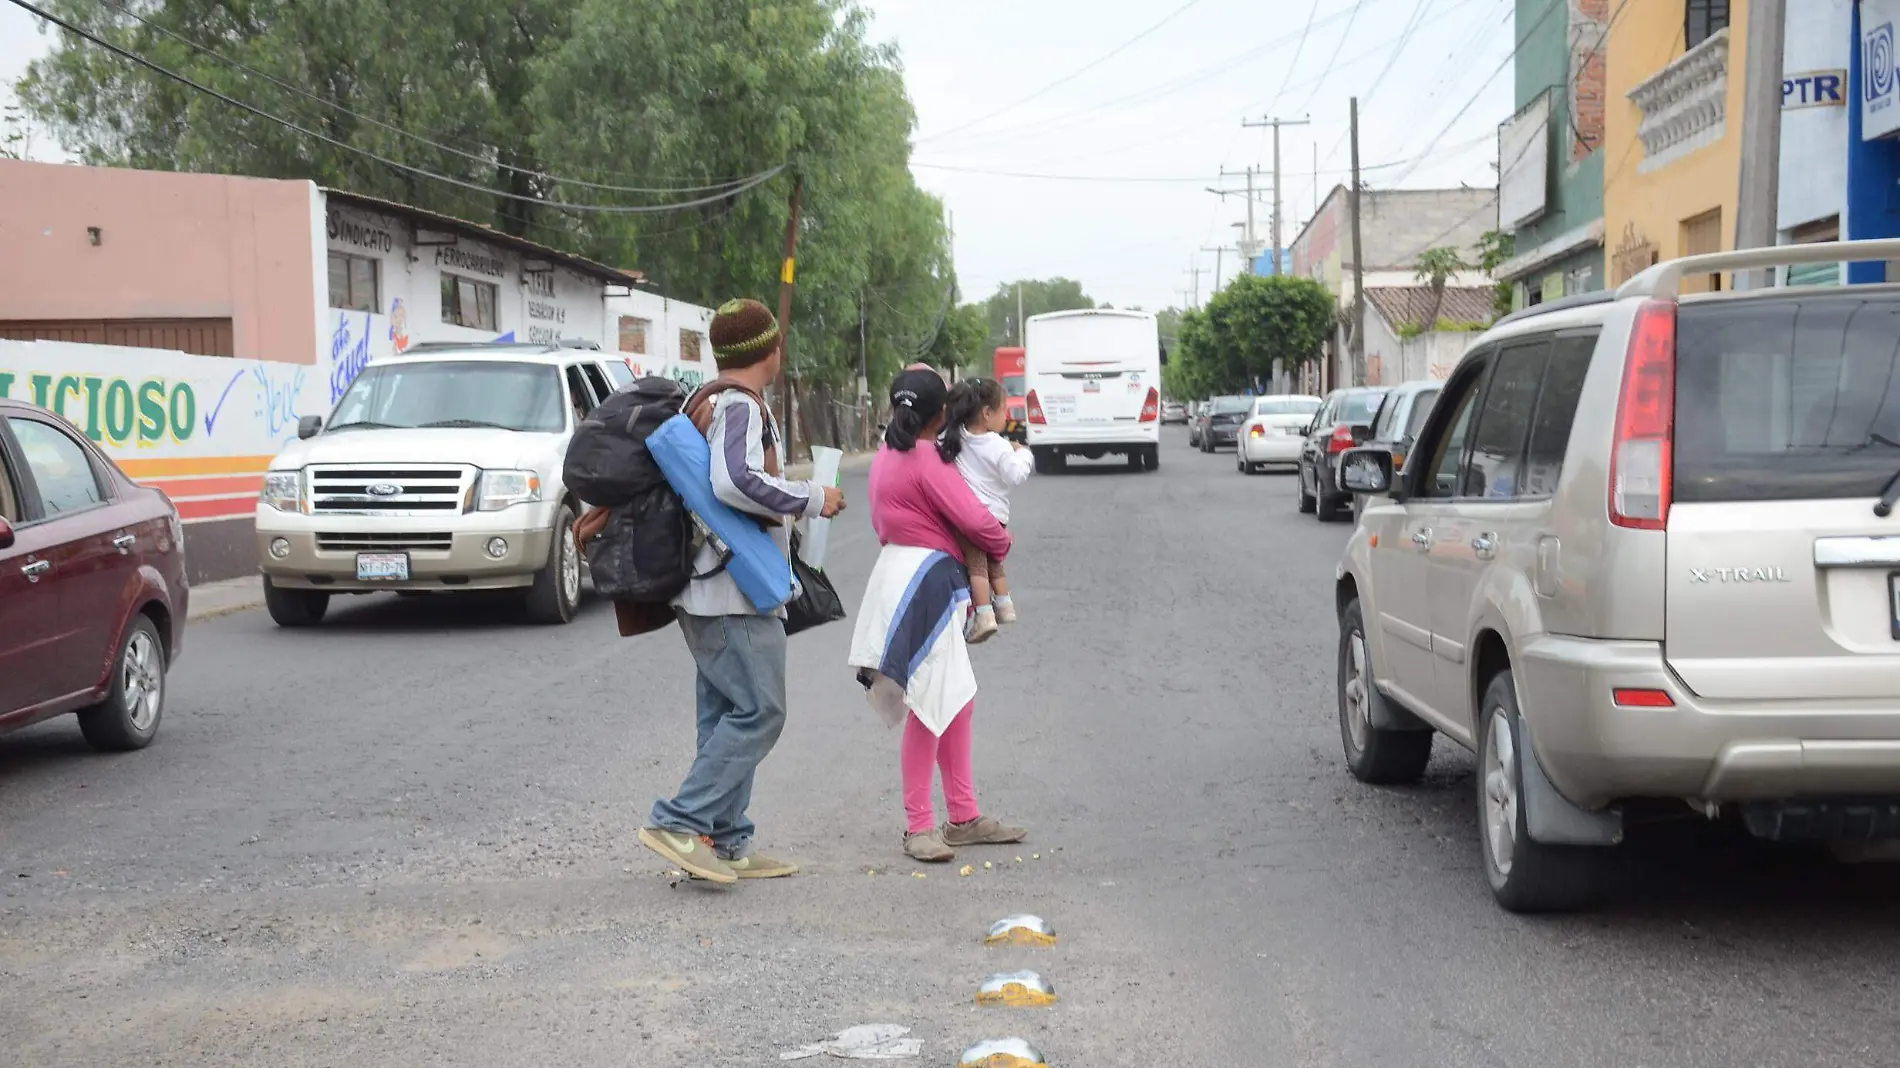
x=1002 y=1053
x=1016 y=990
x=1022 y=930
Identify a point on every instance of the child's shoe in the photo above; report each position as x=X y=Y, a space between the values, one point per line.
x=982 y=626
x=1005 y=610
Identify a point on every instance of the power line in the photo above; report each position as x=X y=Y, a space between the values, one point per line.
x=1146 y=179
x=1072 y=75
x=1339 y=47
x=1159 y=90
x=1410 y=31
x=603 y=209
x=1298 y=50
x=492 y=161
x=1486 y=84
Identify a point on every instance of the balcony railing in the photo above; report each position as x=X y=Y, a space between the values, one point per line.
x=1685 y=105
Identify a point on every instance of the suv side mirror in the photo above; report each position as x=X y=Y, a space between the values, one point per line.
x=1365 y=470
x=6 y=534
x=309 y=427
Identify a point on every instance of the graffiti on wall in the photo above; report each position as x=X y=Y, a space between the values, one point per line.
x=201 y=428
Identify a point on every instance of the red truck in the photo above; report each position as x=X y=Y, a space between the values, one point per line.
x=1009 y=371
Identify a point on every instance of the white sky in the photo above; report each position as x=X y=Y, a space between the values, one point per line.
x=1169 y=105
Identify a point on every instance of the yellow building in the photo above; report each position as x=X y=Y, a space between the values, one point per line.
x=1672 y=132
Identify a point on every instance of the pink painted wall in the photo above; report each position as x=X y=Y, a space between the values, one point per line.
x=171 y=246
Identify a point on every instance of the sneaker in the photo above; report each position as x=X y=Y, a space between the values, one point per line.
x=928 y=846
x=1005 y=610
x=982 y=831
x=760 y=866
x=982 y=627
x=694 y=856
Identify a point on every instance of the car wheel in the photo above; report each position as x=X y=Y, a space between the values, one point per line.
x=1326 y=506
x=556 y=592
x=1307 y=502
x=295 y=608
x=1525 y=876
x=1152 y=456
x=128 y=717
x=1379 y=755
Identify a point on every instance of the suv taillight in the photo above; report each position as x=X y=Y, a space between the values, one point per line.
x=1151 y=408
x=1641 y=454
x=1035 y=409
x=1341 y=439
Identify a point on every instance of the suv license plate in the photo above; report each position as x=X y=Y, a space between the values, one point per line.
x=382 y=567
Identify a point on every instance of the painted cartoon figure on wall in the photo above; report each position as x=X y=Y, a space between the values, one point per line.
x=399 y=325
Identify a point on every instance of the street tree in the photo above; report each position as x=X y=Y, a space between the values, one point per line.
x=1495 y=247
x=1436 y=267
x=1039 y=297
x=1231 y=345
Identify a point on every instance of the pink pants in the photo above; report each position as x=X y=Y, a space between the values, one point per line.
x=951 y=754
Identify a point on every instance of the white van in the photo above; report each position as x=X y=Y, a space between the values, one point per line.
x=1094 y=380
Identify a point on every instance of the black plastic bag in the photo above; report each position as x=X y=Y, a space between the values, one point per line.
x=817 y=602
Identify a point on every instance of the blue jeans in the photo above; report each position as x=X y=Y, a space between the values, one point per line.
x=741 y=697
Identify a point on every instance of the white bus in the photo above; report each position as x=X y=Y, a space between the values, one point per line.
x=1094 y=379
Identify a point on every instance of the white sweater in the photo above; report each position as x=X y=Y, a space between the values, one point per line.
x=992 y=467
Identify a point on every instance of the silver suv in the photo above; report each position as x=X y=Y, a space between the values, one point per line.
x=1642 y=551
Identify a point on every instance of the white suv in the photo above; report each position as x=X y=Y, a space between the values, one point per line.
x=1642 y=551
x=439 y=471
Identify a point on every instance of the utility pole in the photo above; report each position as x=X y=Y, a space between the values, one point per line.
x=1249 y=246
x=864 y=374
x=1358 y=264
x=1194 y=271
x=787 y=276
x=1757 y=201
x=1219 y=252
x=1022 y=328
x=1276 y=124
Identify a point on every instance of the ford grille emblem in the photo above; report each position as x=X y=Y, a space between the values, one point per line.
x=384 y=489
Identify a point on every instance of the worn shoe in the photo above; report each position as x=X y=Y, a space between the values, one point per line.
x=760 y=866
x=982 y=831
x=982 y=627
x=694 y=856
x=1005 y=610
x=928 y=847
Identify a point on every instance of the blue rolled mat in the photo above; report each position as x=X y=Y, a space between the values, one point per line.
x=685 y=458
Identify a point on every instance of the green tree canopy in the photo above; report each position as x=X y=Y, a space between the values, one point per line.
x=1230 y=346
x=539 y=98
x=1039 y=297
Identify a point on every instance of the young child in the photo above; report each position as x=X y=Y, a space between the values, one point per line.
x=975 y=412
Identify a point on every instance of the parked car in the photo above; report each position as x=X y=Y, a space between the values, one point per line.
x=93 y=593
x=439 y=471
x=1397 y=423
x=1221 y=425
x=1273 y=432
x=1197 y=421
x=1174 y=413
x=1344 y=421
x=1644 y=550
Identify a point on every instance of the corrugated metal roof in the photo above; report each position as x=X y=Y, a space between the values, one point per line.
x=435 y=220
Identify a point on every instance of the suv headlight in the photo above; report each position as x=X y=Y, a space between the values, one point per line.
x=283 y=490
x=505 y=489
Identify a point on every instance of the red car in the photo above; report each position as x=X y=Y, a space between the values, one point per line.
x=93 y=594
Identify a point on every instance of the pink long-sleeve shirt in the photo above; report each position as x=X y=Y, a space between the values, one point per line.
x=918 y=500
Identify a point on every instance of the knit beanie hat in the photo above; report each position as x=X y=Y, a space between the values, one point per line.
x=743 y=333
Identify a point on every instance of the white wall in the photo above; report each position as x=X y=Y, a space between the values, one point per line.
x=669 y=318
x=1814 y=138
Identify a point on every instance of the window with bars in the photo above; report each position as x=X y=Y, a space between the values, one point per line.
x=1703 y=19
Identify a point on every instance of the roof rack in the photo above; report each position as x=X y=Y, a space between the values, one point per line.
x=1575 y=300
x=463 y=346
x=1664 y=280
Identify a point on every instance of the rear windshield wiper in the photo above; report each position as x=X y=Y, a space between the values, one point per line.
x=475 y=423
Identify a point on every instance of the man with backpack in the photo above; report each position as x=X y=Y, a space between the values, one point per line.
x=740 y=654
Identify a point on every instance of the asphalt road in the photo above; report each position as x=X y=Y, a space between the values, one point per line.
x=406 y=838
